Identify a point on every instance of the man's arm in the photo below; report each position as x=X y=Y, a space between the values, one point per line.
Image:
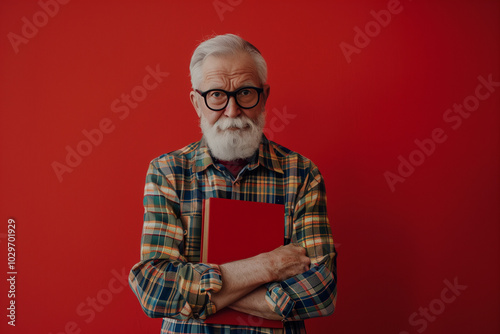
x=166 y=284
x=255 y=304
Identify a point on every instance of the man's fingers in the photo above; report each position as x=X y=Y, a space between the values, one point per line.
x=291 y=260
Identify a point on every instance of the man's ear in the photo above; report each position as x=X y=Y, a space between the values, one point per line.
x=194 y=102
x=265 y=93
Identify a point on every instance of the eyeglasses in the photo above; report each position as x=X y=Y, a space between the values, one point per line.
x=218 y=99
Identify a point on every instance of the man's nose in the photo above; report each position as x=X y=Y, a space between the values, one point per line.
x=232 y=109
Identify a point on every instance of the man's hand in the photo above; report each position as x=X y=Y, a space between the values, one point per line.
x=287 y=261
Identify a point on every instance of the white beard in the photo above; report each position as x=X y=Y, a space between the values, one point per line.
x=233 y=144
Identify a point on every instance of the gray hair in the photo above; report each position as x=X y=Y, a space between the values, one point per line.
x=224 y=45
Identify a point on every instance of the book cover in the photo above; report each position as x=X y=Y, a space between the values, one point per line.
x=235 y=230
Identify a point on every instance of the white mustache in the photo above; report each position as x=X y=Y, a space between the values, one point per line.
x=226 y=123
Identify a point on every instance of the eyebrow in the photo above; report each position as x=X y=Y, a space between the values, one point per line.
x=243 y=84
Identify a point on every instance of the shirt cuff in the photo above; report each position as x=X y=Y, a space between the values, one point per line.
x=210 y=282
x=279 y=300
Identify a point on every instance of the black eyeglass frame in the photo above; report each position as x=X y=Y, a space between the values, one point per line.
x=229 y=94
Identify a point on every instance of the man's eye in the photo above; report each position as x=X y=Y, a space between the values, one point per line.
x=245 y=92
x=216 y=94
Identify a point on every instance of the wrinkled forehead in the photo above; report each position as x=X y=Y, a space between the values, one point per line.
x=229 y=70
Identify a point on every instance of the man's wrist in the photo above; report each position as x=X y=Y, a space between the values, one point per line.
x=267 y=262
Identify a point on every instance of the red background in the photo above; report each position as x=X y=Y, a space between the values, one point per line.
x=354 y=119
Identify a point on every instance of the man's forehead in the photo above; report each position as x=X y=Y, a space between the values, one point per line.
x=238 y=68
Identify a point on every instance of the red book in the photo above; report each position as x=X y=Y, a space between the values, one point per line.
x=235 y=230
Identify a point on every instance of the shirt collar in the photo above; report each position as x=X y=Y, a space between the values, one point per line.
x=266 y=157
x=202 y=158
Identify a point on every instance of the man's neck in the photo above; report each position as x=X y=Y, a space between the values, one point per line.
x=234 y=166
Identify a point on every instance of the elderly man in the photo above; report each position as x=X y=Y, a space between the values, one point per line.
x=233 y=160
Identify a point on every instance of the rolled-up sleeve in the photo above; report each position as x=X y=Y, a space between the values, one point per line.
x=314 y=292
x=163 y=281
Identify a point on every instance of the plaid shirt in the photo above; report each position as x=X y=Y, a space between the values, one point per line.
x=170 y=281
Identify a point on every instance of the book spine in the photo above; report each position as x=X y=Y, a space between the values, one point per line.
x=204 y=238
